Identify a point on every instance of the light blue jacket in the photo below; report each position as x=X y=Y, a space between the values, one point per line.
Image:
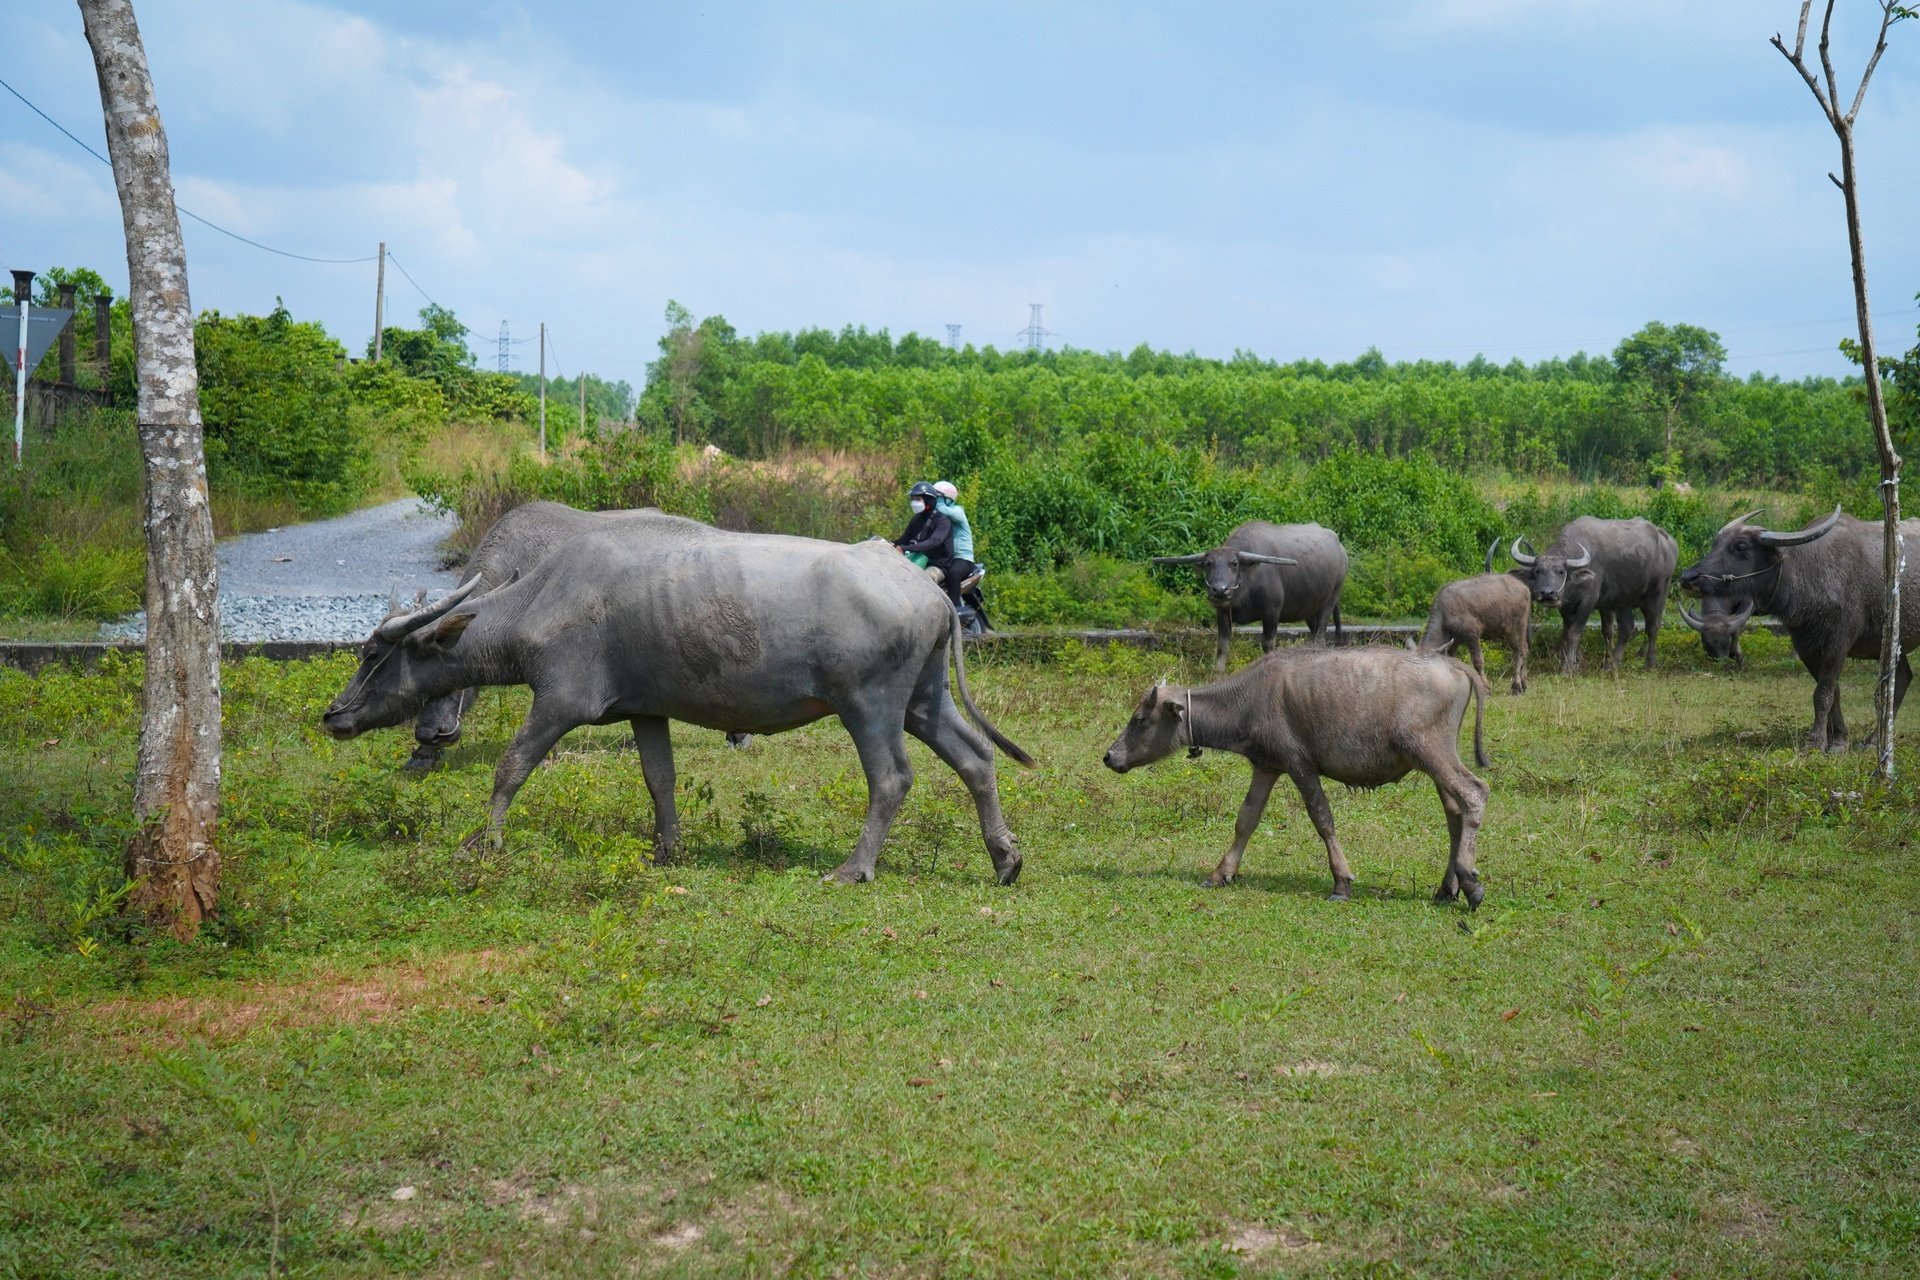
x=962 y=531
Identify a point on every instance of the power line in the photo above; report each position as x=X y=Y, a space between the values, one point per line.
x=184 y=211
x=410 y=280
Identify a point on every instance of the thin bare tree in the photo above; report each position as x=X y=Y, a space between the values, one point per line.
x=172 y=859
x=1826 y=91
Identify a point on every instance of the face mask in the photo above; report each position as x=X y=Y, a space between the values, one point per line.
x=918 y=505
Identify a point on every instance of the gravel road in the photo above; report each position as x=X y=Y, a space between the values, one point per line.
x=328 y=580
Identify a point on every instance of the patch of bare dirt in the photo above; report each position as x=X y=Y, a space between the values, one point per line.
x=1741 y=1217
x=1316 y=1067
x=1257 y=1241
x=373 y=995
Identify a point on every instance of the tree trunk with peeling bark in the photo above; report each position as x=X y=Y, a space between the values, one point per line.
x=172 y=860
x=1892 y=552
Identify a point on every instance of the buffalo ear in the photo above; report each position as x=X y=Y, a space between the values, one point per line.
x=1580 y=575
x=442 y=635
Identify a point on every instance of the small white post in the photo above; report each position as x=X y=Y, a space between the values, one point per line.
x=23 y=291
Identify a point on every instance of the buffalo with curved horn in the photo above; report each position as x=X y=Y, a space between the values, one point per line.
x=518 y=540
x=1720 y=623
x=670 y=619
x=1612 y=567
x=1270 y=574
x=1824 y=583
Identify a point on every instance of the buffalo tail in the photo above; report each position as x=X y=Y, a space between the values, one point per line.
x=1479 y=710
x=957 y=643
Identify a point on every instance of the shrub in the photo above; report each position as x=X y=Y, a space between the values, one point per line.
x=90 y=581
x=1396 y=509
x=1096 y=591
x=277 y=411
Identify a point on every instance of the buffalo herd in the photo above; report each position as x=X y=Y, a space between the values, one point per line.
x=646 y=618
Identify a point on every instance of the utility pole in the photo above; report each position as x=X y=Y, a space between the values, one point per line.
x=543 y=391
x=503 y=346
x=953 y=337
x=23 y=294
x=583 y=401
x=379 y=301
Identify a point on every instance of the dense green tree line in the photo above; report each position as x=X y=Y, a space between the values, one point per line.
x=1659 y=406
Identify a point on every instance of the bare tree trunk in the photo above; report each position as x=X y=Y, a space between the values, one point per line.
x=1892 y=559
x=1891 y=549
x=173 y=859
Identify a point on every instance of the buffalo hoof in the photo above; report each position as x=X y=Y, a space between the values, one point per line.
x=1009 y=871
x=1475 y=894
x=1342 y=891
x=423 y=760
x=485 y=840
x=1444 y=895
x=847 y=873
x=1216 y=881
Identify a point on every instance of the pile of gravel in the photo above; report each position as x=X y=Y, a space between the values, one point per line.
x=329 y=580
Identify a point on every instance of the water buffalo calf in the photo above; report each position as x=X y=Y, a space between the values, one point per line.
x=1490 y=606
x=1364 y=717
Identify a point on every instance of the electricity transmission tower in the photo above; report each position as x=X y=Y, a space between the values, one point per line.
x=503 y=346
x=953 y=337
x=1036 y=333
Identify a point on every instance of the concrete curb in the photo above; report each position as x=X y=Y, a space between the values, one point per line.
x=32 y=656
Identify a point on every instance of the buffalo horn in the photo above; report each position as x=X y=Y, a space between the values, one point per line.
x=400 y=626
x=1491 y=548
x=1737 y=521
x=1586 y=558
x=1693 y=619
x=1742 y=610
x=1523 y=558
x=1772 y=539
x=1193 y=559
x=1254 y=557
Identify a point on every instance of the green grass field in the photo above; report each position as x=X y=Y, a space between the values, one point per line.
x=1678 y=1039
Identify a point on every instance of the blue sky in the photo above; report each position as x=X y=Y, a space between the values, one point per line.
x=1436 y=178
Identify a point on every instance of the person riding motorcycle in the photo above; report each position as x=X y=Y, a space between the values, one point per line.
x=930 y=534
x=965 y=567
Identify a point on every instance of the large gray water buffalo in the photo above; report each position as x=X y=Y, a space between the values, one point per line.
x=1491 y=606
x=1270 y=574
x=1720 y=622
x=1609 y=566
x=518 y=540
x=1824 y=583
x=753 y=632
x=1364 y=717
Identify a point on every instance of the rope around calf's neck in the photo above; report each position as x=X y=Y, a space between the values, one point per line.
x=1193 y=752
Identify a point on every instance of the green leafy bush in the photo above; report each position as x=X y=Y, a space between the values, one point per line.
x=278 y=413
x=1094 y=591
x=1396 y=510
x=90 y=581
